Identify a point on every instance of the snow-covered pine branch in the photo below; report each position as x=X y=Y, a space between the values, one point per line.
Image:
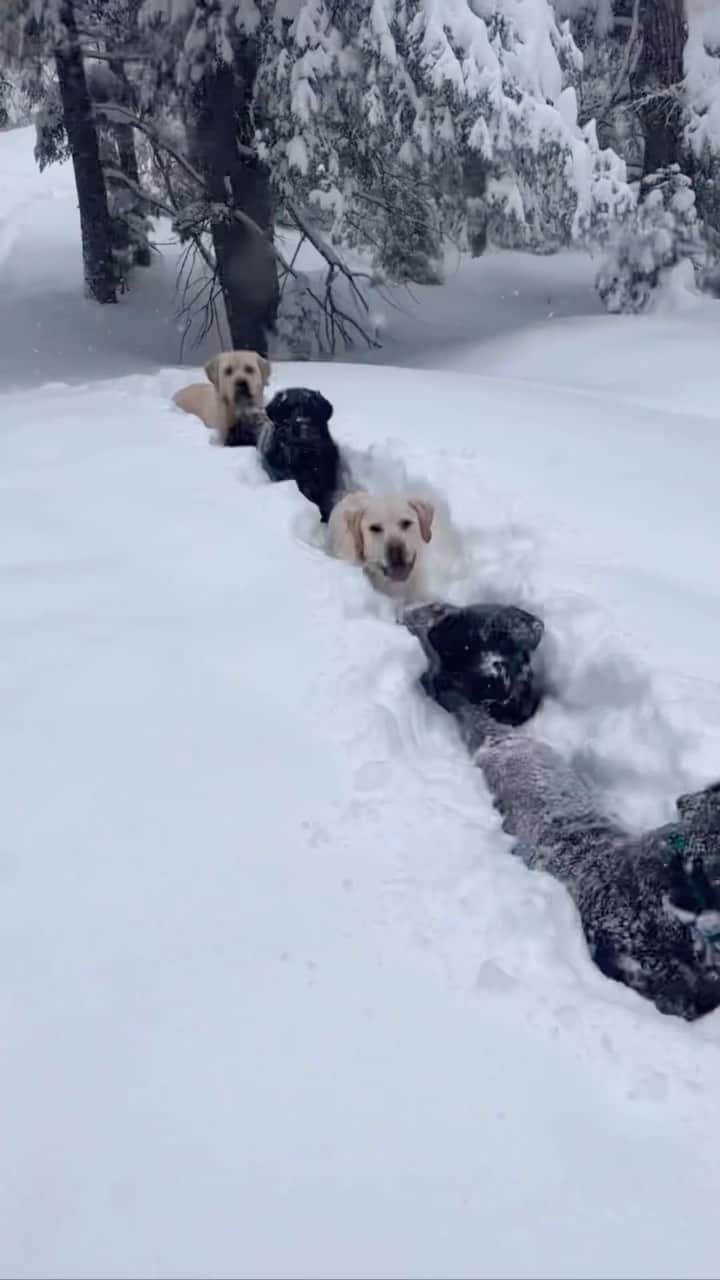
x=407 y=123
x=702 y=97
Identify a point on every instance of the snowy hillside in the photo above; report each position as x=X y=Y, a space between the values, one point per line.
x=276 y=998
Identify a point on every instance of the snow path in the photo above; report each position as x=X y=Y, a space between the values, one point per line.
x=280 y=1001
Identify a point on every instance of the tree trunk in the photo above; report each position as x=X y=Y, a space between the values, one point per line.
x=95 y=224
x=475 y=179
x=127 y=161
x=246 y=264
x=658 y=73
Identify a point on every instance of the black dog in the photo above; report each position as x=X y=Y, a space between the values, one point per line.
x=246 y=428
x=480 y=656
x=296 y=445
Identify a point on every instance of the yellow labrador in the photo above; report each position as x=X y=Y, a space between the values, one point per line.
x=231 y=402
x=387 y=536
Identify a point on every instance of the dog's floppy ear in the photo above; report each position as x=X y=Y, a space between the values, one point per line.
x=265 y=369
x=325 y=407
x=353 y=520
x=425 y=513
x=212 y=369
x=277 y=408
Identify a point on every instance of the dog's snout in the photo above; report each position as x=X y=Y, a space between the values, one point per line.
x=242 y=387
x=396 y=552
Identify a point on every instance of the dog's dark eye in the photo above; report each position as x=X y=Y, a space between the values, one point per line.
x=228 y=371
x=376 y=528
x=405 y=525
x=248 y=369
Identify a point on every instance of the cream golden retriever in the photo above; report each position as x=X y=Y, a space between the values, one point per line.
x=387 y=536
x=231 y=402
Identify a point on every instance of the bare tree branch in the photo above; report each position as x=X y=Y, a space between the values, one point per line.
x=336 y=318
x=99 y=56
x=330 y=255
x=116 y=112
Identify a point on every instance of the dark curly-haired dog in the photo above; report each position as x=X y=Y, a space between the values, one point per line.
x=481 y=656
x=295 y=444
x=649 y=904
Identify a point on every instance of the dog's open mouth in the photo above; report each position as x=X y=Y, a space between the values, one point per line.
x=398 y=572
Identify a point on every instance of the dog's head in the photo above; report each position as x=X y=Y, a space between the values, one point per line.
x=239 y=377
x=300 y=405
x=388 y=533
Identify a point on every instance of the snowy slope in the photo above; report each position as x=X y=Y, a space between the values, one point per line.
x=276 y=998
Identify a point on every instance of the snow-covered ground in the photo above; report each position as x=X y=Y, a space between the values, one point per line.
x=276 y=998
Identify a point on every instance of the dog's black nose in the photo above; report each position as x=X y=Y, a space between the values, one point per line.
x=396 y=553
x=242 y=389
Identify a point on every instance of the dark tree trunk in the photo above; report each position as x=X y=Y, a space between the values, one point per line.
x=658 y=73
x=127 y=160
x=4 y=91
x=475 y=177
x=246 y=264
x=95 y=225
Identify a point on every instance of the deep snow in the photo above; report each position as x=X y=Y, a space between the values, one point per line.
x=276 y=998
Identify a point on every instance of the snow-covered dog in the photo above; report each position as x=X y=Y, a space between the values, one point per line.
x=231 y=402
x=296 y=444
x=387 y=535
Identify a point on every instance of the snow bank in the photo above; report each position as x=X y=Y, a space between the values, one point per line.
x=280 y=1001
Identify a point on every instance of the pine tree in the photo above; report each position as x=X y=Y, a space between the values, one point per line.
x=206 y=87
x=34 y=34
x=702 y=97
x=656 y=82
x=115 y=37
x=634 y=66
x=661 y=233
x=95 y=225
x=388 y=127
x=402 y=123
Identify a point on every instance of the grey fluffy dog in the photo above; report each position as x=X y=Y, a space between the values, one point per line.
x=649 y=905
